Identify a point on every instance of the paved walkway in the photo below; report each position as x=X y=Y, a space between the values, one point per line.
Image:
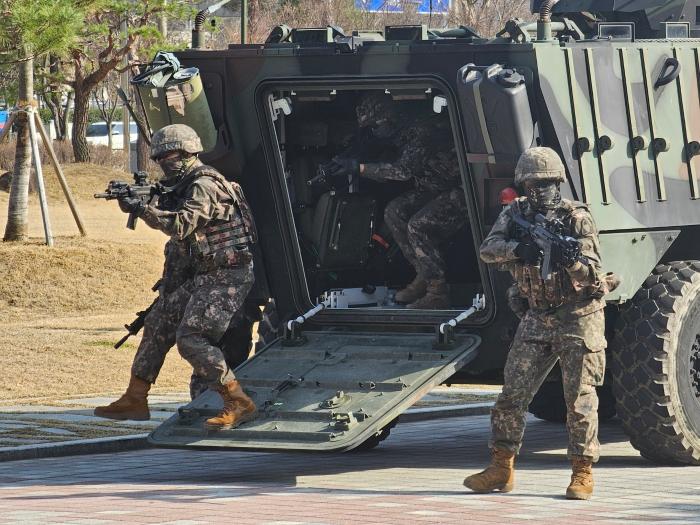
x=65 y=425
x=71 y=419
x=413 y=477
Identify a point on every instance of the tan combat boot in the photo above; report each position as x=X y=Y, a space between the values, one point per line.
x=415 y=290
x=437 y=297
x=132 y=405
x=499 y=475
x=581 y=486
x=238 y=408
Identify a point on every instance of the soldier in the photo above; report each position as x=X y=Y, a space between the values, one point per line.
x=565 y=321
x=427 y=215
x=208 y=273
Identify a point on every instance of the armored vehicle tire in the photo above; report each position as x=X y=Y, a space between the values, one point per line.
x=656 y=365
x=548 y=403
x=377 y=438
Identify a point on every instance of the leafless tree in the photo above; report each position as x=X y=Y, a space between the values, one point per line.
x=106 y=100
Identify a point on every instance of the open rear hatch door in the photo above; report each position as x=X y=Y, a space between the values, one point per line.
x=329 y=394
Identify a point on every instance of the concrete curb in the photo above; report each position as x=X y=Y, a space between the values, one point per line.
x=139 y=441
x=428 y=414
x=75 y=448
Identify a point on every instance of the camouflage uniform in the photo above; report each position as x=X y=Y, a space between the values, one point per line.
x=565 y=322
x=201 y=291
x=421 y=219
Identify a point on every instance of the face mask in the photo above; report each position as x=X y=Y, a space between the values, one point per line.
x=175 y=168
x=543 y=196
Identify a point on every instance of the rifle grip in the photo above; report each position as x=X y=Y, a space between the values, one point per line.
x=131 y=221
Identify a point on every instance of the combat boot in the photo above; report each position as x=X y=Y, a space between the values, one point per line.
x=581 y=486
x=238 y=408
x=437 y=297
x=499 y=475
x=132 y=405
x=415 y=290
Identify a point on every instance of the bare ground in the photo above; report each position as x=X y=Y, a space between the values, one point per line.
x=62 y=308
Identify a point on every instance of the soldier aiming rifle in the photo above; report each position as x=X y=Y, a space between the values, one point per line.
x=550 y=246
x=207 y=276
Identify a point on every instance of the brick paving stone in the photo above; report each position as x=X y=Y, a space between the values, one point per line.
x=413 y=477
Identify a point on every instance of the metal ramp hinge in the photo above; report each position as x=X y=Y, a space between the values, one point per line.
x=280 y=105
x=293 y=328
x=446 y=331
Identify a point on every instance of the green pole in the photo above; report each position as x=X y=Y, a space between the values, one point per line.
x=244 y=21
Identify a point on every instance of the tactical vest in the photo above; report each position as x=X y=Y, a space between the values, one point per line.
x=225 y=240
x=546 y=294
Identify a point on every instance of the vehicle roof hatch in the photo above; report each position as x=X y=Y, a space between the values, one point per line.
x=330 y=393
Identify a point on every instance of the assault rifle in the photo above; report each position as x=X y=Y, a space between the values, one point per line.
x=555 y=245
x=141 y=189
x=362 y=146
x=137 y=324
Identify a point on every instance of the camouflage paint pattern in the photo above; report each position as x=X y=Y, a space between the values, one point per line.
x=577 y=90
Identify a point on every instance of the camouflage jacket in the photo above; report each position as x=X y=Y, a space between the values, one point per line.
x=572 y=291
x=426 y=155
x=194 y=204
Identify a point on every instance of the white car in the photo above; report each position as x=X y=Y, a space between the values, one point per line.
x=97 y=134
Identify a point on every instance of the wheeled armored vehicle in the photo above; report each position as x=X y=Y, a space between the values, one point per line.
x=612 y=86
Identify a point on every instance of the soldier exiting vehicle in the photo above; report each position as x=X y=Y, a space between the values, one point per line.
x=430 y=213
x=207 y=275
x=565 y=322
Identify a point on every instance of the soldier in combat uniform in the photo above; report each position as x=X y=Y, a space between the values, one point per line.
x=430 y=213
x=207 y=275
x=565 y=322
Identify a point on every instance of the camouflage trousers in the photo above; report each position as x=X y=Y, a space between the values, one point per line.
x=542 y=339
x=195 y=317
x=420 y=221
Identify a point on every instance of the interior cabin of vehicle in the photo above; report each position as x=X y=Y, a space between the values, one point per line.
x=350 y=258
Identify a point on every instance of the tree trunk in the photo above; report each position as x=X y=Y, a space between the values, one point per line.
x=17 y=222
x=81 y=151
x=110 y=139
x=65 y=116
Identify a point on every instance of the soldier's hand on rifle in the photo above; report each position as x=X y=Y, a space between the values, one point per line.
x=131 y=205
x=528 y=252
x=340 y=166
x=572 y=254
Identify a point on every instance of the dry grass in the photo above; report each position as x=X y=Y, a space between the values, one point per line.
x=64 y=307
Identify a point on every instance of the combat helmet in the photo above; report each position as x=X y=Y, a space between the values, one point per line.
x=373 y=108
x=175 y=137
x=539 y=164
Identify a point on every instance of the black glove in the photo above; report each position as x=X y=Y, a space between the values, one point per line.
x=528 y=253
x=340 y=166
x=571 y=254
x=131 y=205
